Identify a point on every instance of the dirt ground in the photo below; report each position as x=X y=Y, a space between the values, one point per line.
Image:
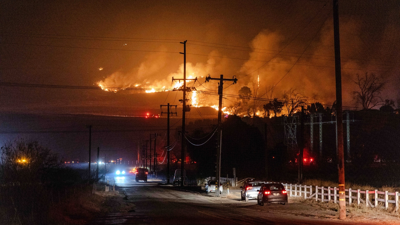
x=83 y=209
x=328 y=210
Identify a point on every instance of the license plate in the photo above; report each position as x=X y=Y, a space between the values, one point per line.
x=276 y=193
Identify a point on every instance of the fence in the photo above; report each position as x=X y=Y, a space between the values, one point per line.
x=326 y=194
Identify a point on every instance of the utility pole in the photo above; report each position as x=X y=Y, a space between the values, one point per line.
x=168 y=145
x=184 y=109
x=219 y=148
x=339 y=116
x=301 y=148
x=150 y=152
x=90 y=146
x=145 y=162
x=98 y=161
x=155 y=152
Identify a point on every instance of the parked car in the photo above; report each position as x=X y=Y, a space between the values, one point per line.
x=272 y=193
x=250 y=189
x=211 y=186
x=142 y=174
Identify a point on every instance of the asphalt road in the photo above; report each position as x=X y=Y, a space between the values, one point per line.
x=164 y=204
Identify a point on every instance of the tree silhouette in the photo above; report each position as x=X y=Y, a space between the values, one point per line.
x=245 y=94
x=293 y=101
x=388 y=106
x=370 y=87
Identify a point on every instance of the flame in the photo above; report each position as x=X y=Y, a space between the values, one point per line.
x=151 y=91
x=224 y=110
x=194 y=99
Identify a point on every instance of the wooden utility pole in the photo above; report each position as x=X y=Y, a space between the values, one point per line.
x=168 y=148
x=184 y=110
x=145 y=161
x=98 y=161
x=301 y=148
x=150 y=153
x=90 y=147
x=339 y=116
x=219 y=148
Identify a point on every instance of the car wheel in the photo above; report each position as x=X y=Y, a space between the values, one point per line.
x=241 y=196
x=246 y=198
x=260 y=202
x=145 y=180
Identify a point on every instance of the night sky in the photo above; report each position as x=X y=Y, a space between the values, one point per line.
x=77 y=45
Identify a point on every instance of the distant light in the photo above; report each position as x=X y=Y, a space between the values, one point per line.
x=100 y=68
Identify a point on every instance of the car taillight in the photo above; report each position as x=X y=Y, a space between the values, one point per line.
x=146 y=173
x=267 y=192
x=249 y=188
x=284 y=192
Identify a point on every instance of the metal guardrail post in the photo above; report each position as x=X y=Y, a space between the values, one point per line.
x=376 y=198
x=358 y=196
x=316 y=193
x=366 y=198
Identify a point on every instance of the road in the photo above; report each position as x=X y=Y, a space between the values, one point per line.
x=165 y=204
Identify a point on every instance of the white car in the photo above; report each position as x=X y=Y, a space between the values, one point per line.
x=210 y=187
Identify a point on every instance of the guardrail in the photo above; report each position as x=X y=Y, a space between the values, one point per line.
x=326 y=194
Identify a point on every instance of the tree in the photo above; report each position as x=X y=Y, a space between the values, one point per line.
x=370 y=87
x=293 y=101
x=245 y=94
x=235 y=108
x=267 y=108
x=27 y=162
x=316 y=108
x=276 y=106
x=388 y=106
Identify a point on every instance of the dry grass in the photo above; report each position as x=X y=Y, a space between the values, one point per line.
x=85 y=207
x=354 y=209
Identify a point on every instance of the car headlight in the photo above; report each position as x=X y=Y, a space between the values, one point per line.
x=123 y=171
x=118 y=172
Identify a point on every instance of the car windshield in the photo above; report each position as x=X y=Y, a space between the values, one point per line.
x=141 y=170
x=276 y=187
x=255 y=183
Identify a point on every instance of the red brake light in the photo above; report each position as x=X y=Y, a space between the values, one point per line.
x=284 y=192
x=146 y=173
x=305 y=160
x=311 y=159
x=267 y=192
x=249 y=188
